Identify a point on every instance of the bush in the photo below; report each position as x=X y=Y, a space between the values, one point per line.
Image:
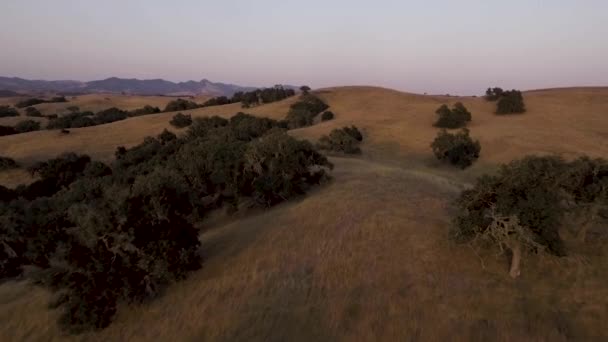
x=326 y=116
x=27 y=126
x=7 y=163
x=6 y=111
x=166 y=136
x=109 y=115
x=180 y=104
x=33 y=112
x=29 y=102
x=457 y=149
x=7 y=130
x=523 y=207
x=345 y=140
x=456 y=117
x=511 y=102
x=310 y=103
x=146 y=110
x=180 y=120
x=262 y=96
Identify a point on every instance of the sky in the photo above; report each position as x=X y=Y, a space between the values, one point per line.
x=432 y=46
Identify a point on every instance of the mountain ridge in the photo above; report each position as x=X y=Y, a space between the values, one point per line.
x=131 y=86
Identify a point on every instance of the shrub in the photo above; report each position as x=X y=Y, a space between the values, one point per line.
x=326 y=116
x=297 y=118
x=33 y=112
x=29 y=102
x=261 y=96
x=523 y=207
x=109 y=115
x=7 y=130
x=6 y=111
x=27 y=126
x=342 y=140
x=217 y=101
x=457 y=149
x=180 y=104
x=511 y=102
x=180 y=120
x=7 y=163
x=146 y=110
x=456 y=117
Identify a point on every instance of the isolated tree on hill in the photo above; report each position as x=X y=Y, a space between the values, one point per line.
x=456 y=117
x=326 y=116
x=305 y=89
x=345 y=140
x=457 y=149
x=493 y=94
x=511 y=102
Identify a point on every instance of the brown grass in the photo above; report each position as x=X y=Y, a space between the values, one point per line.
x=366 y=257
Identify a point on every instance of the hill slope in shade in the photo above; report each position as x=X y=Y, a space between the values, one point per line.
x=121 y=85
x=365 y=257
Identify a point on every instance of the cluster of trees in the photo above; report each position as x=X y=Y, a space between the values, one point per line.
x=8 y=111
x=527 y=205
x=21 y=127
x=344 y=140
x=181 y=104
x=76 y=119
x=98 y=235
x=456 y=117
x=509 y=102
x=458 y=149
x=35 y=101
x=303 y=112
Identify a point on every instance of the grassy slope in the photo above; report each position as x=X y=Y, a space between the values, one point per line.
x=365 y=257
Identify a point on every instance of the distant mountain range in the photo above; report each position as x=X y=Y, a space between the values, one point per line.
x=10 y=85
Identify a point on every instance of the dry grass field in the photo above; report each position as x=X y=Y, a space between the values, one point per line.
x=365 y=257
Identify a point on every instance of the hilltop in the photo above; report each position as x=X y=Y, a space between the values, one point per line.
x=365 y=257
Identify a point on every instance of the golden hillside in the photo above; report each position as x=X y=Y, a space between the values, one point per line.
x=365 y=257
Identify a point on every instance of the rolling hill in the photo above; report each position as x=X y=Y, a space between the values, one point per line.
x=365 y=257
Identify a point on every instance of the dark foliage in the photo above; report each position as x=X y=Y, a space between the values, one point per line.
x=7 y=163
x=303 y=112
x=202 y=126
x=146 y=110
x=305 y=89
x=457 y=149
x=180 y=120
x=35 y=101
x=27 y=126
x=102 y=235
x=326 y=116
x=72 y=120
x=180 y=104
x=511 y=102
x=6 y=111
x=262 y=96
x=217 y=101
x=109 y=115
x=345 y=140
x=33 y=112
x=7 y=130
x=535 y=194
x=456 y=117
x=493 y=94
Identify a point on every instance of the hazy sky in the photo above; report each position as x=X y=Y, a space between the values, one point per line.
x=435 y=46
